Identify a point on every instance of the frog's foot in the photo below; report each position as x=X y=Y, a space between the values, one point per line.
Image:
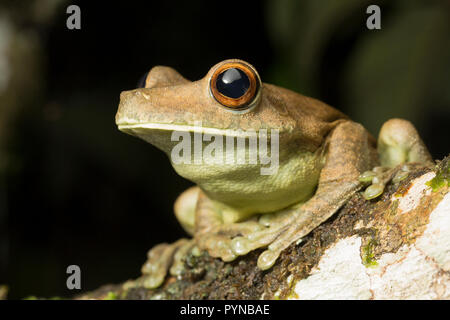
x=379 y=177
x=230 y=241
x=162 y=259
x=279 y=231
x=399 y=145
x=218 y=241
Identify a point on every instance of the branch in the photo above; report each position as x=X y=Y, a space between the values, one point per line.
x=393 y=247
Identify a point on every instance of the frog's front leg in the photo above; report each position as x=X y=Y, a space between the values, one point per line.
x=349 y=153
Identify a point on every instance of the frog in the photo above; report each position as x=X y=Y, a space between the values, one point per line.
x=323 y=159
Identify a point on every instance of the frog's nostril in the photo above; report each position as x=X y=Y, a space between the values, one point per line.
x=146 y=96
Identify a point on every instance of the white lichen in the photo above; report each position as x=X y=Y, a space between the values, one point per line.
x=339 y=274
x=418 y=189
x=416 y=271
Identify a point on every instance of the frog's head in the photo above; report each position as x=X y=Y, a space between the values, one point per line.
x=227 y=98
x=230 y=99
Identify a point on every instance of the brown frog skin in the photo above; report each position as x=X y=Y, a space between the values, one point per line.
x=234 y=208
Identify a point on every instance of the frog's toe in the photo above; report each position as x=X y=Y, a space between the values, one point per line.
x=243 y=245
x=268 y=258
x=274 y=219
x=229 y=241
x=160 y=259
x=367 y=176
x=373 y=191
x=217 y=245
x=379 y=177
x=376 y=179
x=275 y=226
x=402 y=173
x=179 y=258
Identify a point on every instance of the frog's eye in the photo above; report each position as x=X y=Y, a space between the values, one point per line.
x=235 y=85
x=142 y=80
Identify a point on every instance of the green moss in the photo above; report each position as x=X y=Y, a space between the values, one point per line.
x=37 y=298
x=111 y=296
x=173 y=289
x=442 y=177
x=368 y=256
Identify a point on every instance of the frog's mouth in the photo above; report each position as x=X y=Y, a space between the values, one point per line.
x=152 y=128
x=168 y=136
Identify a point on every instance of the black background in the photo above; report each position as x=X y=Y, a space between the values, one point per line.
x=85 y=193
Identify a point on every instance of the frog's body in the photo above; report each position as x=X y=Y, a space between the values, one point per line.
x=235 y=208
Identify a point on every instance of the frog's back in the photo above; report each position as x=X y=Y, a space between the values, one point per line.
x=305 y=106
x=314 y=119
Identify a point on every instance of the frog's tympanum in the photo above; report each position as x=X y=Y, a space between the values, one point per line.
x=323 y=158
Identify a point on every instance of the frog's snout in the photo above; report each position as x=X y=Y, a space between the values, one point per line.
x=140 y=106
x=126 y=113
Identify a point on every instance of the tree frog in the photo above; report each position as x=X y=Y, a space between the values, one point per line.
x=322 y=157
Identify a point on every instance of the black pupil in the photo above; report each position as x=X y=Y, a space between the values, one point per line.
x=232 y=83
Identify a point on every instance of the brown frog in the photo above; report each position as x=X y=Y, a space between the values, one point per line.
x=310 y=159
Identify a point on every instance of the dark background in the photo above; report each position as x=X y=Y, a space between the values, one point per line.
x=75 y=190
